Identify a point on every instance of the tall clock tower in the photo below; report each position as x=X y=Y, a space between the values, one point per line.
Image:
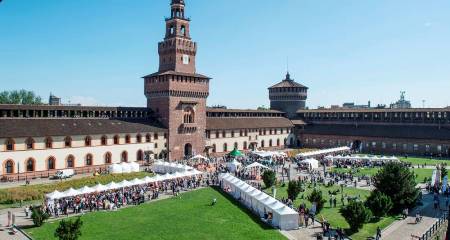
x=177 y=93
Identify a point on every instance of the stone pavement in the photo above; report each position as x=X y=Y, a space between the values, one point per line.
x=406 y=229
x=304 y=233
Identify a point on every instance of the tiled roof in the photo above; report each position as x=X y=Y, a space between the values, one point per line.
x=213 y=123
x=288 y=82
x=71 y=127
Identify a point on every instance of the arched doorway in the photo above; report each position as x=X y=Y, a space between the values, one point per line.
x=187 y=150
x=356 y=145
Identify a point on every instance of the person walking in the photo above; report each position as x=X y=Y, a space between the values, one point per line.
x=378 y=237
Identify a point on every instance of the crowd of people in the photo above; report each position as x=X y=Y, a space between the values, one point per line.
x=133 y=195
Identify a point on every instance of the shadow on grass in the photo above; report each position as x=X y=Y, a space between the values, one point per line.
x=244 y=209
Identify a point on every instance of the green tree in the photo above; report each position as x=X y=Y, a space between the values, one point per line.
x=19 y=97
x=356 y=214
x=316 y=197
x=269 y=178
x=398 y=182
x=38 y=216
x=379 y=203
x=69 y=230
x=293 y=189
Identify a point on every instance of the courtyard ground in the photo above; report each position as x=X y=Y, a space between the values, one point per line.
x=187 y=217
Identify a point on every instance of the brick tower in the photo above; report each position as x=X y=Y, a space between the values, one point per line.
x=288 y=96
x=176 y=92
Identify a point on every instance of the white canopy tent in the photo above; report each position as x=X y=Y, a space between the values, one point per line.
x=232 y=166
x=311 y=162
x=260 y=202
x=362 y=158
x=123 y=168
x=112 y=185
x=323 y=152
x=256 y=165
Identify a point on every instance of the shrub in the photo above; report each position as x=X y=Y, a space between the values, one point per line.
x=379 y=203
x=269 y=178
x=316 y=197
x=38 y=216
x=293 y=189
x=356 y=214
x=69 y=230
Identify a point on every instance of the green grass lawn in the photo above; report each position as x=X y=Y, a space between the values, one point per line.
x=428 y=161
x=421 y=173
x=332 y=215
x=187 y=217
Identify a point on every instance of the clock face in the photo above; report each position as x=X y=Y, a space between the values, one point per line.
x=185 y=59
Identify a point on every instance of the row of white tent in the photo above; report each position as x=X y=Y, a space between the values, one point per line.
x=113 y=186
x=323 y=151
x=167 y=167
x=265 y=154
x=283 y=217
x=362 y=158
x=123 y=168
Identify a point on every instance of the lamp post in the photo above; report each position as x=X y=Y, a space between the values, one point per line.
x=18 y=171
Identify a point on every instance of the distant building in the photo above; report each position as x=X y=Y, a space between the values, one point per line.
x=54 y=100
x=401 y=103
x=354 y=106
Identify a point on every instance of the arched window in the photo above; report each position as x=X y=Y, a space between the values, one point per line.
x=48 y=142
x=232 y=134
x=116 y=139
x=51 y=163
x=67 y=142
x=9 y=167
x=88 y=141
x=140 y=156
x=236 y=145
x=217 y=134
x=225 y=147
x=89 y=160
x=10 y=144
x=214 y=148
x=124 y=156
x=108 y=158
x=188 y=115
x=29 y=143
x=148 y=138
x=70 y=161
x=245 y=145
x=155 y=136
x=224 y=134
x=270 y=143
x=241 y=133
x=139 y=138
x=183 y=30
x=127 y=139
x=104 y=140
x=278 y=142
x=262 y=143
x=171 y=30
x=30 y=165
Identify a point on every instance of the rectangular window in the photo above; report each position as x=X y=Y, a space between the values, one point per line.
x=416 y=147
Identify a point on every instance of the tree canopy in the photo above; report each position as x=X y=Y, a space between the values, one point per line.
x=19 y=97
x=397 y=181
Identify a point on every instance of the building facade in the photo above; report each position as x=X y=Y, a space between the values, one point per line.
x=413 y=131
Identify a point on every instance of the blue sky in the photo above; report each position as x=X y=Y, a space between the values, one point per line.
x=96 y=51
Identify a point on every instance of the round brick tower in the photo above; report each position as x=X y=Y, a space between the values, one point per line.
x=288 y=96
